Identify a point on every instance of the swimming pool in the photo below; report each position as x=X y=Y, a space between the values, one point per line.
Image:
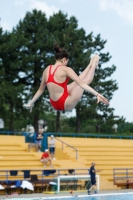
x=111 y=196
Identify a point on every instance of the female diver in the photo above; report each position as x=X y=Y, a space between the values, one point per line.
x=65 y=96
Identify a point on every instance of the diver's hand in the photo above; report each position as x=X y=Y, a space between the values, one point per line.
x=102 y=99
x=28 y=106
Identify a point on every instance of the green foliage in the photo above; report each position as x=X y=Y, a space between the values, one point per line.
x=126 y=128
x=102 y=83
x=32 y=59
x=28 y=50
x=10 y=90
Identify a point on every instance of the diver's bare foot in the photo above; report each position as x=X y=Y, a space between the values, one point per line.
x=95 y=60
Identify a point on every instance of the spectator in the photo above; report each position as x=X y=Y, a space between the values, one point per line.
x=92 y=173
x=46 y=158
x=52 y=147
x=39 y=137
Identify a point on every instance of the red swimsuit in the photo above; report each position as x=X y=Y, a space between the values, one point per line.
x=59 y=104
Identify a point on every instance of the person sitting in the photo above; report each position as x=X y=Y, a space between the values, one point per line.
x=45 y=158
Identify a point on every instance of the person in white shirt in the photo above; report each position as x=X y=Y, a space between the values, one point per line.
x=52 y=147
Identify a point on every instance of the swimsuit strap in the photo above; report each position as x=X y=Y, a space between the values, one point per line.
x=51 y=77
x=53 y=71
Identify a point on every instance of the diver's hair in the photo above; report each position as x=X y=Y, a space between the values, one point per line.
x=60 y=53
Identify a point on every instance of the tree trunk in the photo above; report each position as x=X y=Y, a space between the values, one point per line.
x=58 y=121
x=78 y=124
x=11 y=118
x=35 y=122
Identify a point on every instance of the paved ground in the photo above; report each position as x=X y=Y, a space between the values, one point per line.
x=40 y=195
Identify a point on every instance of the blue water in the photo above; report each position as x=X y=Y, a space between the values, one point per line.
x=81 y=197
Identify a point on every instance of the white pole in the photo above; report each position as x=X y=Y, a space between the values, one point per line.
x=58 y=184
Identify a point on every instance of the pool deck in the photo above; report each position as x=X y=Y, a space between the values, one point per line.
x=63 y=194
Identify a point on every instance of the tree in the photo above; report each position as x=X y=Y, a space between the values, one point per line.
x=30 y=50
x=80 y=46
x=2 y=73
x=33 y=57
x=68 y=36
x=10 y=90
x=102 y=83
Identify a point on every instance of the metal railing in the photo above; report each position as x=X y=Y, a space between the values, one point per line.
x=125 y=174
x=39 y=178
x=84 y=135
x=6 y=174
x=90 y=135
x=69 y=146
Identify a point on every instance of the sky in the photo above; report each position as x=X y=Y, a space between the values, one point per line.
x=112 y=19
